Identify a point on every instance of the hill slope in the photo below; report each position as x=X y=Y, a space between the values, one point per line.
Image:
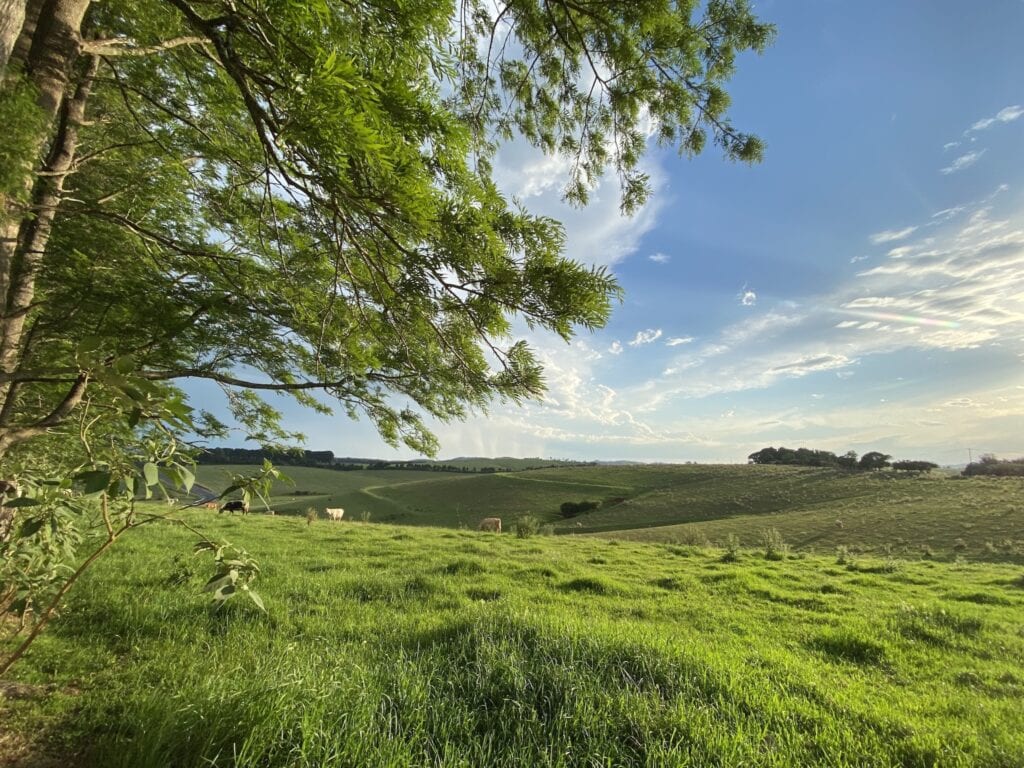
x=816 y=509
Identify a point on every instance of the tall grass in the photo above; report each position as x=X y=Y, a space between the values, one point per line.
x=388 y=646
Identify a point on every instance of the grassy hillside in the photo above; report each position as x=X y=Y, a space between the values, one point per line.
x=392 y=646
x=815 y=509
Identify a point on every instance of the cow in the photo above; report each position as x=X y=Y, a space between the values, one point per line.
x=210 y=505
x=238 y=505
x=490 y=524
x=335 y=513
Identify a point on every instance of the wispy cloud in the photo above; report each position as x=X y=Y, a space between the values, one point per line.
x=950 y=145
x=615 y=348
x=659 y=258
x=596 y=234
x=892 y=235
x=748 y=298
x=645 y=337
x=963 y=162
x=676 y=341
x=1005 y=115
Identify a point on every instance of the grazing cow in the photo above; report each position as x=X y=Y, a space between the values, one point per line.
x=490 y=524
x=238 y=505
x=335 y=513
x=210 y=505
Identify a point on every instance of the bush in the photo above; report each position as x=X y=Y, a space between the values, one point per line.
x=732 y=548
x=526 y=526
x=573 y=508
x=775 y=547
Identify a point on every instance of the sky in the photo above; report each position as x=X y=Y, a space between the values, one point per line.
x=860 y=289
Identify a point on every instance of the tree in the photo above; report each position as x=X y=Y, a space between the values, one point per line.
x=907 y=465
x=848 y=460
x=874 y=460
x=296 y=198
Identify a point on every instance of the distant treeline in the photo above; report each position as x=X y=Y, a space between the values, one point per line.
x=809 y=457
x=327 y=460
x=258 y=455
x=990 y=465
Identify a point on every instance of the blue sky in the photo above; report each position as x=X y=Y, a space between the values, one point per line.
x=862 y=288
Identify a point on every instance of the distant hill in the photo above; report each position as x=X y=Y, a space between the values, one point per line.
x=812 y=508
x=327 y=460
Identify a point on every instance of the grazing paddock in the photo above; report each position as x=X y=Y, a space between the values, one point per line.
x=398 y=646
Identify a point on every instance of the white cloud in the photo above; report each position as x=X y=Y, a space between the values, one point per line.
x=597 y=234
x=1005 y=115
x=615 y=348
x=675 y=342
x=855 y=259
x=645 y=337
x=962 y=162
x=659 y=258
x=748 y=298
x=891 y=235
x=950 y=145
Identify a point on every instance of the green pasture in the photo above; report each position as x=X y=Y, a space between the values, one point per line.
x=936 y=516
x=395 y=646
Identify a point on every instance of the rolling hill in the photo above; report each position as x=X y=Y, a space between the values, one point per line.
x=814 y=509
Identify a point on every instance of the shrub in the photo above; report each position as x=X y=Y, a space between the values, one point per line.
x=843 y=555
x=526 y=526
x=573 y=508
x=775 y=547
x=311 y=515
x=547 y=530
x=732 y=548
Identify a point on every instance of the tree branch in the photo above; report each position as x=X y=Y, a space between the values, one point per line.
x=124 y=47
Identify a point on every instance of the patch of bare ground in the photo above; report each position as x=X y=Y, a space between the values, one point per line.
x=22 y=748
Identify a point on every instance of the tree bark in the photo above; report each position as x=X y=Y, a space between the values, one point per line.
x=12 y=17
x=47 y=50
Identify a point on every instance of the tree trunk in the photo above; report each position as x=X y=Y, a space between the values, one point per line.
x=47 y=50
x=12 y=16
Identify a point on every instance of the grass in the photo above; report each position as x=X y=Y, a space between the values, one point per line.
x=812 y=509
x=397 y=646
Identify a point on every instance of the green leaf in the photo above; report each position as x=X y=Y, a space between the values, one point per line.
x=89 y=344
x=32 y=527
x=94 y=481
x=188 y=479
x=151 y=473
x=124 y=365
x=217 y=582
x=256 y=599
x=23 y=501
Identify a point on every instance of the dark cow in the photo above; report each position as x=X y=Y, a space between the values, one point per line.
x=238 y=505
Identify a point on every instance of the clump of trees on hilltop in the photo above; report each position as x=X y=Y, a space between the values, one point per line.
x=990 y=465
x=808 y=457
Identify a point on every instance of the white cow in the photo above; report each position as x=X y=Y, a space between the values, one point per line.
x=336 y=513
